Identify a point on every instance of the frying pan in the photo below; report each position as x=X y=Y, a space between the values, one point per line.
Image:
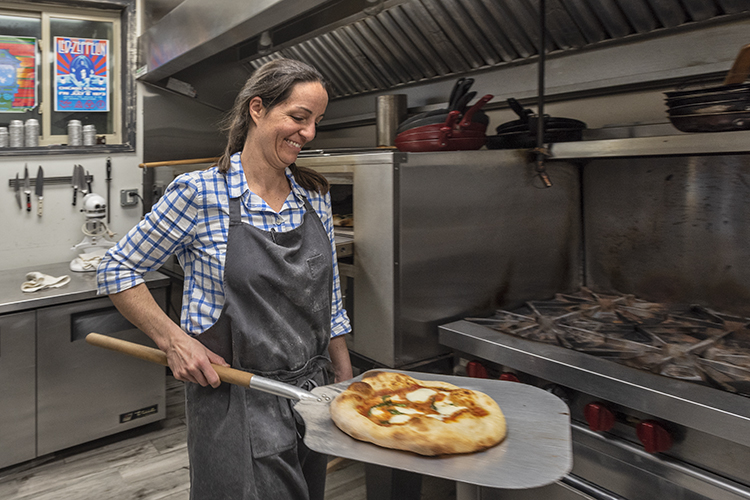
x=537 y=450
x=457 y=101
x=456 y=133
x=521 y=133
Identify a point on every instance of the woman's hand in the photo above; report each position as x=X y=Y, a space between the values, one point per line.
x=190 y=361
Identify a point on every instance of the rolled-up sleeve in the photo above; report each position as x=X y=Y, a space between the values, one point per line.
x=146 y=247
x=340 y=323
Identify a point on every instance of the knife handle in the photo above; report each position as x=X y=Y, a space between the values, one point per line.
x=39 y=207
x=75 y=192
x=228 y=375
x=28 y=202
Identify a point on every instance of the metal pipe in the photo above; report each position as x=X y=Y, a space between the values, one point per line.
x=540 y=150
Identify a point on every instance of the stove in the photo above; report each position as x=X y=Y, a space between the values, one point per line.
x=685 y=342
x=659 y=393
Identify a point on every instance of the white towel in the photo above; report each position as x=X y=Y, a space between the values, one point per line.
x=38 y=281
x=88 y=261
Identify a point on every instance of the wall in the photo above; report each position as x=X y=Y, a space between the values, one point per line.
x=29 y=240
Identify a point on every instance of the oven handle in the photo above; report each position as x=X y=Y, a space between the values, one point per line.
x=589 y=488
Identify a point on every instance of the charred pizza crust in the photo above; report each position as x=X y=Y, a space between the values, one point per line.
x=396 y=411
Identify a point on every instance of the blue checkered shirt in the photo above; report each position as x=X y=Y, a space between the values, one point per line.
x=191 y=221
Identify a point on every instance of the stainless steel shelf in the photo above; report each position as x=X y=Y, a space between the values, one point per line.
x=682 y=144
x=709 y=410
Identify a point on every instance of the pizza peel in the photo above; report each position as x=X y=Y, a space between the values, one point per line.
x=537 y=450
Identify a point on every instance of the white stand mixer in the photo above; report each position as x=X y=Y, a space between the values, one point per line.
x=93 y=246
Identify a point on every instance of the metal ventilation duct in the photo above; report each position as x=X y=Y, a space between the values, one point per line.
x=420 y=40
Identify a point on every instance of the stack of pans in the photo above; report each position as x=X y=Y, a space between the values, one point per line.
x=715 y=109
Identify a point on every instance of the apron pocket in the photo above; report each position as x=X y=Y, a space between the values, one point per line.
x=318 y=265
x=271 y=422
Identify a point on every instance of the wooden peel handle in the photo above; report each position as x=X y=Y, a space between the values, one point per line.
x=228 y=375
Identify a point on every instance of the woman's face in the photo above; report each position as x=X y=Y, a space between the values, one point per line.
x=281 y=132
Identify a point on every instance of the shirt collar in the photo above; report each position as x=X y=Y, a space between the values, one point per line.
x=237 y=184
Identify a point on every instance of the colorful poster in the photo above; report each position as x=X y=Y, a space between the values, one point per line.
x=81 y=74
x=17 y=73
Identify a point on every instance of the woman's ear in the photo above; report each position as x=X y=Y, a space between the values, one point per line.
x=256 y=109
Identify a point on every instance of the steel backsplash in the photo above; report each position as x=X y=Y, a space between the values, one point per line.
x=670 y=229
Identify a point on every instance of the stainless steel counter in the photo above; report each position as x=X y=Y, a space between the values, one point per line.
x=82 y=286
x=58 y=391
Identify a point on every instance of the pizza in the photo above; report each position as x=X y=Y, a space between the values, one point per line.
x=396 y=411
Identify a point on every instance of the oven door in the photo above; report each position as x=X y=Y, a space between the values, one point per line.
x=570 y=487
x=606 y=467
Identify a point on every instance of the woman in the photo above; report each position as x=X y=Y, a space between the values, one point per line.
x=254 y=235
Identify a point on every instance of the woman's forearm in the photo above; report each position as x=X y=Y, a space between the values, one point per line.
x=189 y=359
x=339 y=353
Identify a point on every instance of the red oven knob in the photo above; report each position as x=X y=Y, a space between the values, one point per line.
x=654 y=436
x=476 y=369
x=599 y=417
x=510 y=377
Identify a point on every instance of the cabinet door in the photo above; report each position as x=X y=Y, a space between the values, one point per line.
x=17 y=388
x=86 y=392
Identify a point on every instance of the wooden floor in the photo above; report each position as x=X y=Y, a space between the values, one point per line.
x=151 y=463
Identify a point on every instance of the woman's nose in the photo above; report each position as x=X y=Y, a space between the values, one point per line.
x=308 y=132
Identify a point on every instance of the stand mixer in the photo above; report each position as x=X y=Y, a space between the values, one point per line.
x=94 y=245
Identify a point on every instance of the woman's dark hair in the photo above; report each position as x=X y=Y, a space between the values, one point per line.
x=273 y=83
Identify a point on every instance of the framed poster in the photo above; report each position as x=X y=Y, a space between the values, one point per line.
x=17 y=73
x=81 y=74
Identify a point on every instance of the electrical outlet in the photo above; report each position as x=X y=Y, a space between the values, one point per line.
x=128 y=197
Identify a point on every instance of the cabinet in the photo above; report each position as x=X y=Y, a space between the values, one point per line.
x=56 y=390
x=17 y=386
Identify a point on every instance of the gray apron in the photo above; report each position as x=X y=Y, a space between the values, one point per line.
x=276 y=322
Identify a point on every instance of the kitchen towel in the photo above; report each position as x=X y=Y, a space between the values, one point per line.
x=38 y=281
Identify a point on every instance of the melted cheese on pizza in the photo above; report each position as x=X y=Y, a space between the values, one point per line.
x=396 y=408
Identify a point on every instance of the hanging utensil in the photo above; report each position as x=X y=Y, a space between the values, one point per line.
x=82 y=181
x=27 y=187
x=39 y=189
x=74 y=183
x=17 y=189
x=109 y=182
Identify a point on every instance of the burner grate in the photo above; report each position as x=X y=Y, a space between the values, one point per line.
x=690 y=343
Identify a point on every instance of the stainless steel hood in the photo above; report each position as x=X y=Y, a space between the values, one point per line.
x=365 y=46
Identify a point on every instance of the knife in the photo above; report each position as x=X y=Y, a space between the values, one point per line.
x=74 y=183
x=27 y=187
x=39 y=189
x=18 y=192
x=82 y=181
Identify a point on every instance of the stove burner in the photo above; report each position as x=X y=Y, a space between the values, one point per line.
x=690 y=343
